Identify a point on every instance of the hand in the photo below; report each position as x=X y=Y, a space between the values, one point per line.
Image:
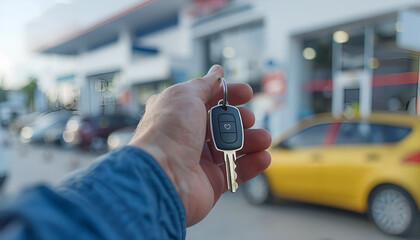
x=175 y=131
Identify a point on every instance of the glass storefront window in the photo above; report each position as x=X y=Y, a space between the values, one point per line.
x=101 y=92
x=320 y=64
x=239 y=51
x=388 y=57
x=353 y=51
x=393 y=71
x=317 y=77
x=394 y=83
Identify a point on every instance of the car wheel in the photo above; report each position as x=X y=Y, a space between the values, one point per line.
x=98 y=145
x=393 y=210
x=257 y=190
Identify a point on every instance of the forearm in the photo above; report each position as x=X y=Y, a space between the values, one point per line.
x=124 y=195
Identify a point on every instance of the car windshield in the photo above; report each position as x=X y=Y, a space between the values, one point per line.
x=370 y=133
x=49 y=119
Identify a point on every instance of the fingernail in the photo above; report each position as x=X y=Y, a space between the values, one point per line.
x=212 y=69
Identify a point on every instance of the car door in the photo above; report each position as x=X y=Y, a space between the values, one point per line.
x=295 y=163
x=345 y=166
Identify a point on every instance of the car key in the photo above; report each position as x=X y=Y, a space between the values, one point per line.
x=227 y=132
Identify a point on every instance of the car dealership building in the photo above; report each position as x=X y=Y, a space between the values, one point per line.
x=301 y=58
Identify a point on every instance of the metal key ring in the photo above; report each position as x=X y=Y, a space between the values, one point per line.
x=224 y=92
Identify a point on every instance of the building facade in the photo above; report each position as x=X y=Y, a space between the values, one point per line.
x=116 y=53
x=300 y=57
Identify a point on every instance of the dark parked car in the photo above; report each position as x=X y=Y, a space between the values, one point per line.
x=92 y=132
x=47 y=127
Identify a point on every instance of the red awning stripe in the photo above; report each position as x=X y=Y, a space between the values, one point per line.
x=317 y=85
x=395 y=79
x=377 y=81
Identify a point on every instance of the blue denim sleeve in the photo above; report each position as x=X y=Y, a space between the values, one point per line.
x=123 y=195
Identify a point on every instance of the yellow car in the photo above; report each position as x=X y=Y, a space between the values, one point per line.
x=365 y=165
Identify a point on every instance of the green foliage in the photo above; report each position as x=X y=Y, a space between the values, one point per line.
x=3 y=95
x=29 y=90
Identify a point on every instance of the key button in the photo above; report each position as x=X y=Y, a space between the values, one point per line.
x=228 y=137
x=226 y=117
x=227 y=127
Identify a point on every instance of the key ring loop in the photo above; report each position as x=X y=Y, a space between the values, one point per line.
x=224 y=92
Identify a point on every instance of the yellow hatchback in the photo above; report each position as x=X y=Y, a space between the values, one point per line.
x=365 y=165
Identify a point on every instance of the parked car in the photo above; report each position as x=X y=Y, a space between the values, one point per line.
x=24 y=120
x=92 y=132
x=365 y=165
x=47 y=127
x=120 y=137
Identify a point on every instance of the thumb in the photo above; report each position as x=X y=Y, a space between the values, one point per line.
x=206 y=87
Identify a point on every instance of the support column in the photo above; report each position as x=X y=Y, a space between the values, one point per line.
x=337 y=88
x=365 y=100
x=84 y=102
x=125 y=42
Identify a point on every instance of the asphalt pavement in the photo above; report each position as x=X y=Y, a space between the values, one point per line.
x=42 y=163
x=232 y=218
x=235 y=219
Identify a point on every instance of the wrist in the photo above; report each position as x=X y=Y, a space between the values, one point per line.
x=148 y=144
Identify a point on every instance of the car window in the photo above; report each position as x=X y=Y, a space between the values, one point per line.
x=393 y=134
x=370 y=133
x=120 y=121
x=112 y=121
x=308 y=137
x=104 y=122
x=116 y=121
x=50 y=118
x=130 y=121
x=358 y=133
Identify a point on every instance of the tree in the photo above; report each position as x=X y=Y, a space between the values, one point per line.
x=3 y=93
x=29 y=90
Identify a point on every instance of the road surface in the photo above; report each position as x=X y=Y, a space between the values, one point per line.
x=232 y=218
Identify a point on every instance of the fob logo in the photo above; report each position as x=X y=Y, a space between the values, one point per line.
x=227 y=126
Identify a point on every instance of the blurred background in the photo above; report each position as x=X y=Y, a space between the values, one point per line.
x=75 y=76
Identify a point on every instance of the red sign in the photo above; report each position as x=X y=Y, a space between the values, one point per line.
x=124 y=98
x=204 y=7
x=274 y=83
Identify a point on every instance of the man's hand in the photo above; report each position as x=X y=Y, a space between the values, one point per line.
x=175 y=131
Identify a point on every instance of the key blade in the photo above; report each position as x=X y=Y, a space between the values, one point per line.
x=231 y=175
x=234 y=184
x=228 y=176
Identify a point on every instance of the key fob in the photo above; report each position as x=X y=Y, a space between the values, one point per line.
x=226 y=128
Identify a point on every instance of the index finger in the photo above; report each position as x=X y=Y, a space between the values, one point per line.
x=238 y=93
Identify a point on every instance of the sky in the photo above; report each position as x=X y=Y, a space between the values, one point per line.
x=14 y=15
x=17 y=62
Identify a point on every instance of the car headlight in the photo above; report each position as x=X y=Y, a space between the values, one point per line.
x=26 y=134
x=71 y=137
x=72 y=125
x=113 y=141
